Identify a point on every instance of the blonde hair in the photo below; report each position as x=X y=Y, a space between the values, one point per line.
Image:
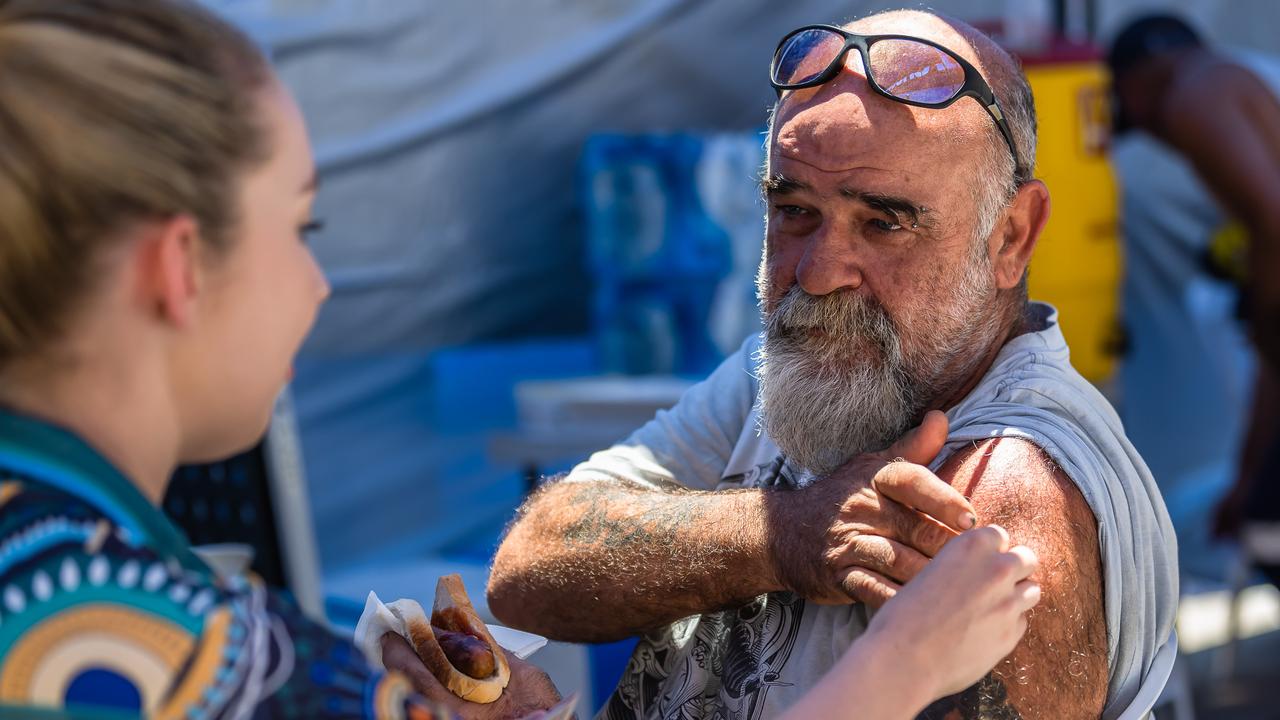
x=111 y=112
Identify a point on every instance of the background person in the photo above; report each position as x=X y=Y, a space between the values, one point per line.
x=1219 y=112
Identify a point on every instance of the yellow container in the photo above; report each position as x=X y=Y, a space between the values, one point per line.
x=1077 y=263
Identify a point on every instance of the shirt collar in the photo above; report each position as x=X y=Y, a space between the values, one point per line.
x=52 y=455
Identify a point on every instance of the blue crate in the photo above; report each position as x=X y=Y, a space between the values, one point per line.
x=658 y=255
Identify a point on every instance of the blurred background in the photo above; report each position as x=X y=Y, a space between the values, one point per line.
x=543 y=222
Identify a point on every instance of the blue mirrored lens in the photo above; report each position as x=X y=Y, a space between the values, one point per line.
x=805 y=55
x=915 y=71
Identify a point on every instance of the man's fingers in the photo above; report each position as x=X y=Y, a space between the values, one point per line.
x=395 y=649
x=922 y=443
x=926 y=534
x=916 y=487
x=895 y=560
x=921 y=532
x=532 y=682
x=869 y=587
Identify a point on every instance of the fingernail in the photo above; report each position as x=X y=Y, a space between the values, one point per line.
x=970 y=521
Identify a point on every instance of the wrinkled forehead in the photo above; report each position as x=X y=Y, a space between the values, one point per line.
x=844 y=123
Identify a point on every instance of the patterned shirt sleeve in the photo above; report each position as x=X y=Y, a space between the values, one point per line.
x=89 y=617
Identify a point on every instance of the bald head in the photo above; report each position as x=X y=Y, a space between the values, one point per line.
x=834 y=125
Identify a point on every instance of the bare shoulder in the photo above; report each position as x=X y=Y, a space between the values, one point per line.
x=1215 y=93
x=1059 y=670
x=1014 y=481
x=1208 y=76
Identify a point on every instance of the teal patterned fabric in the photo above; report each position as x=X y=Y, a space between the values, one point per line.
x=106 y=612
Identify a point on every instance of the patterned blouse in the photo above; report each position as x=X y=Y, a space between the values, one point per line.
x=103 y=606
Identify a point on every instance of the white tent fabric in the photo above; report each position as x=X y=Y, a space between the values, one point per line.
x=447 y=135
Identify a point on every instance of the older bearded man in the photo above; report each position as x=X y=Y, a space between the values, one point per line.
x=902 y=217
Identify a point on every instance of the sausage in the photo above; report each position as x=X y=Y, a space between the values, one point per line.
x=469 y=654
x=455 y=644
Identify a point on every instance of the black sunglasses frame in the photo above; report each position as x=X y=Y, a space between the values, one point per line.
x=975 y=86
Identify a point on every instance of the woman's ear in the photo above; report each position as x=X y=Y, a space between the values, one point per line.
x=1015 y=239
x=167 y=259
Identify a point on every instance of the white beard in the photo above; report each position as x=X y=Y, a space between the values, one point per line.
x=852 y=388
x=826 y=399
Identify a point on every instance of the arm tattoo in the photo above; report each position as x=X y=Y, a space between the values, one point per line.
x=987 y=700
x=644 y=520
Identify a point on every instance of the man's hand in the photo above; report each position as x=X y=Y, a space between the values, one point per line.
x=872 y=525
x=530 y=690
x=598 y=560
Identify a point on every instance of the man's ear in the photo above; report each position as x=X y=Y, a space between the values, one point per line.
x=1015 y=238
x=168 y=269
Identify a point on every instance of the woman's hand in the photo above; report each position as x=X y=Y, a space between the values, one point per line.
x=963 y=614
x=938 y=635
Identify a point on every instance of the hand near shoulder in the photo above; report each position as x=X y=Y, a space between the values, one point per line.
x=861 y=532
x=964 y=613
x=939 y=635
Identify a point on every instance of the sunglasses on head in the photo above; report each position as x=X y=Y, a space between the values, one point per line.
x=907 y=69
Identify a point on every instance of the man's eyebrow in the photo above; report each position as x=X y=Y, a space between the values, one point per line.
x=897 y=206
x=778 y=184
x=892 y=205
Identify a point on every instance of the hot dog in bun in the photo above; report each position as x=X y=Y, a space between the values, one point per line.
x=455 y=644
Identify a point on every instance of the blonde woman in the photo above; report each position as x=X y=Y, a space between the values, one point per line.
x=156 y=186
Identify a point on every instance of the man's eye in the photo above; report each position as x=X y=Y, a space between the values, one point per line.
x=792 y=210
x=885 y=225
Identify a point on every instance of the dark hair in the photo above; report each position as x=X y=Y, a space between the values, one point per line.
x=1147 y=37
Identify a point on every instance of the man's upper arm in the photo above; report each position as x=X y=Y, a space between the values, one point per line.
x=690 y=444
x=1060 y=668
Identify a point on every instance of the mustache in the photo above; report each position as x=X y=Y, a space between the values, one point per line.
x=839 y=316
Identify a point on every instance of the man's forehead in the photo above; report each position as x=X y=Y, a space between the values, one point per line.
x=843 y=123
x=837 y=129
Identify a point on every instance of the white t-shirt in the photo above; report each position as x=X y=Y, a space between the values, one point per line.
x=757 y=660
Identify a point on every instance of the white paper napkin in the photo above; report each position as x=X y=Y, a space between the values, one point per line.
x=379 y=619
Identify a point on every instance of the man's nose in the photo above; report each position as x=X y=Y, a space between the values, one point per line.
x=830 y=263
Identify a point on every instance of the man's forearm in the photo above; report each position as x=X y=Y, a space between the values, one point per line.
x=598 y=561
